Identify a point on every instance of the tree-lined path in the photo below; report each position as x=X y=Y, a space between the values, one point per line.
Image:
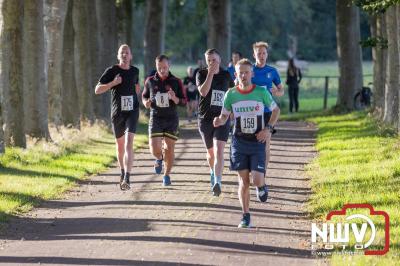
x=97 y=224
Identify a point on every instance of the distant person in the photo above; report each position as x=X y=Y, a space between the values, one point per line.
x=200 y=65
x=120 y=79
x=192 y=94
x=293 y=79
x=236 y=56
x=213 y=82
x=162 y=93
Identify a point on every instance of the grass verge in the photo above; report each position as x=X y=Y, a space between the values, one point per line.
x=358 y=162
x=47 y=169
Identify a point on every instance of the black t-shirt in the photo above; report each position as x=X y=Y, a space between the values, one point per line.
x=211 y=105
x=123 y=96
x=157 y=89
x=192 y=91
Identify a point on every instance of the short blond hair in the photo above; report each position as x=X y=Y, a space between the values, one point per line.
x=260 y=44
x=245 y=62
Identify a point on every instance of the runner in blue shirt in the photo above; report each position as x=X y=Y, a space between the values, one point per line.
x=267 y=77
x=236 y=56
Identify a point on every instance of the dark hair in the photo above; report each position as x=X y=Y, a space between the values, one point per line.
x=161 y=57
x=212 y=51
x=238 y=53
x=292 y=69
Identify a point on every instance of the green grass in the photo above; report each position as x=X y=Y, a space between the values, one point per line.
x=46 y=170
x=358 y=162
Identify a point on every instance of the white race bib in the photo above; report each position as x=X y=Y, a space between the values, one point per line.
x=248 y=124
x=162 y=100
x=127 y=103
x=217 y=98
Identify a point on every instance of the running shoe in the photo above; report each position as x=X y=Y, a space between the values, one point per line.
x=262 y=193
x=212 y=180
x=126 y=184
x=158 y=166
x=166 y=180
x=245 y=222
x=216 y=189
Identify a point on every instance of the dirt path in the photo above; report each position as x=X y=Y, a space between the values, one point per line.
x=96 y=224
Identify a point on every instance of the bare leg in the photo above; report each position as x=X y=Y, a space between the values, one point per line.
x=156 y=147
x=169 y=154
x=128 y=158
x=219 y=159
x=244 y=190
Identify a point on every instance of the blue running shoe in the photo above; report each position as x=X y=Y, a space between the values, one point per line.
x=158 y=166
x=166 y=180
x=245 y=222
x=262 y=193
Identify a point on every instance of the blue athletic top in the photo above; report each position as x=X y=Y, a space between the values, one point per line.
x=265 y=76
x=231 y=70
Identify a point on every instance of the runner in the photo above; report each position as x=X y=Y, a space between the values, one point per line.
x=247 y=102
x=268 y=77
x=212 y=84
x=162 y=93
x=123 y=82
x=192 y=94
x=236 y=56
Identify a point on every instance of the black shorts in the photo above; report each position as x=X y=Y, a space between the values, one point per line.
x=208 y=132
x=192 y=96
x=164 y=127
x=125 y=122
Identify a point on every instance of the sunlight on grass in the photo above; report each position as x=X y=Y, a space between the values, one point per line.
x=47 y=169
x=356 y=163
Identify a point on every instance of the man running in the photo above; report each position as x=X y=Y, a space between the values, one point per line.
x=212 y=84
x=162 y=93
x=236 y=56
x=247 y=102
x=123 y=82
x=268 y=77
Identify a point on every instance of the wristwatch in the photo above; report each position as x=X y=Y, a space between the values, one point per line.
x=271 y=128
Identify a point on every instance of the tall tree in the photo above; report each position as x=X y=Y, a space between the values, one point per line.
x=2 y=148
x=11 y=72
x=379 y=57
x=219 y=28
x=349 y=52
x=83 y=67
x=35 y=91
x=54 y=27
x=69 y=94
x=107 y=49
x=154 y=32
x=125 y=21
x=391 y=114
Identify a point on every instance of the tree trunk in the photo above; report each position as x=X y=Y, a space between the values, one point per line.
x=2 y=148
x=391 y=114
x=83 y=73
x=379 y=65
x=125 y=22
x=11 y=72
x=219 y=28
x=154 y=32
x=349 y=52
x=99 y=108
x=106 y=20
x=35 y=105
x=69 y=94
x=398 y=65
x=54 y=26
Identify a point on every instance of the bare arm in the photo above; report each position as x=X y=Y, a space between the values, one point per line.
x=278 y=90
x=102 y=88
x=220 y=120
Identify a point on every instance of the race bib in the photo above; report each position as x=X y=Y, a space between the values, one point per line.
x=248 y=124
x=127 y=103
x=192 y=87
x=217 y=98
x=162 y=100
